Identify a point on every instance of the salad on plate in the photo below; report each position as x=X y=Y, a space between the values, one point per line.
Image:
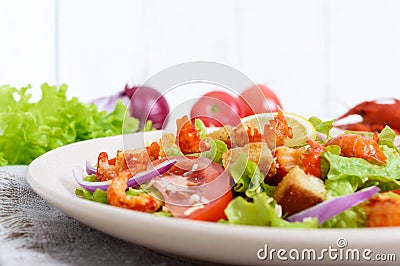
x=272 y=169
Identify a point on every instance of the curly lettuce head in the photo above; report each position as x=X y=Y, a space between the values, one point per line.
x=29 y=129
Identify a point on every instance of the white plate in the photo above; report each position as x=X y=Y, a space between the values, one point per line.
x=50 y=176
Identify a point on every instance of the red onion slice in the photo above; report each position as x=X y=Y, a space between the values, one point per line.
x=90 y=169
x=136 y=180
x=330 y=208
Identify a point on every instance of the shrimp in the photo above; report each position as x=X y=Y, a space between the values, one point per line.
x=275 y=134
x=116 y=195
x=154 y=150
x=286 y=159
x=307 y=158
x=187 y=137
x=106 y=169
x=383 y=209
x=311 y=159
x=244 y=134
x=135 y=160
x=353 y=145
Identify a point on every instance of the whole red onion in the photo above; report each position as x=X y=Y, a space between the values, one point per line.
x=147 y=104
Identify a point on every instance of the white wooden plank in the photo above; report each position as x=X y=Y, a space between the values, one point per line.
x=181 y=31
x=365 y=52
x=282 y=45
x=101 y=46
x=27 y=54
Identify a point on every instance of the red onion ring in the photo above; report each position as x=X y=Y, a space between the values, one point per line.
x=136 y=180
x=330 y=208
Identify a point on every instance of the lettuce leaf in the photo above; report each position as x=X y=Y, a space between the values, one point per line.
x=321 y=126
x=351 y=218
x=98 y=195
x=29 y=129
x=173 y=150
x=386 y=137
x=356 y=171
x=248 y=177
x=199 y=125
x=260 y=211
x=217 y=148
x=3 y=161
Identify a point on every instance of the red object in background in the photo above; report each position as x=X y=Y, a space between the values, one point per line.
x=217 y=108
x=259 y=99
x=375 y=115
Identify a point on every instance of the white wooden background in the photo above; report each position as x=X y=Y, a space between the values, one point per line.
x=319 y=56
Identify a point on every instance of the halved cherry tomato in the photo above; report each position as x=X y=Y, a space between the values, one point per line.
x=195 y=188
x=259 y=99
x=217 y=108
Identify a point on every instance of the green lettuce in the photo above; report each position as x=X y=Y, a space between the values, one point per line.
x=101 y=196
x=199 y=125
x=98 y=195
x=29 y=129
x=386 y=137
x=321 y=126
x=261 y=211
x=90 y=178
x=357 y=172
x=248 y=177
x=3 y=161
x=352 y=218
x=217 y=148
x=173 y=150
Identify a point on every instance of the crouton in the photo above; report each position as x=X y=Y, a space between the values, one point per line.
x=298 y=191
x=223 y=134
x=257 y=152
x=383 y=209
x=168 y=139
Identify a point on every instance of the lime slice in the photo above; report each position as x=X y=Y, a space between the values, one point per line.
x=301 y=127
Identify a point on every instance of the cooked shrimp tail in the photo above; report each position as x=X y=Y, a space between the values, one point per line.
x=116 y=195
x=187 y=137
x=276 y=133
x=353 y=145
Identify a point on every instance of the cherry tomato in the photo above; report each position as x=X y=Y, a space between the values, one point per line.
x=259 y=99
x=217 y=108
x=195 y=188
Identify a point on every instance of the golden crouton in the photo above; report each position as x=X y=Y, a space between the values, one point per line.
x=223 y=134
x=168 y=139
x=257 y=152
x=298 y=191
